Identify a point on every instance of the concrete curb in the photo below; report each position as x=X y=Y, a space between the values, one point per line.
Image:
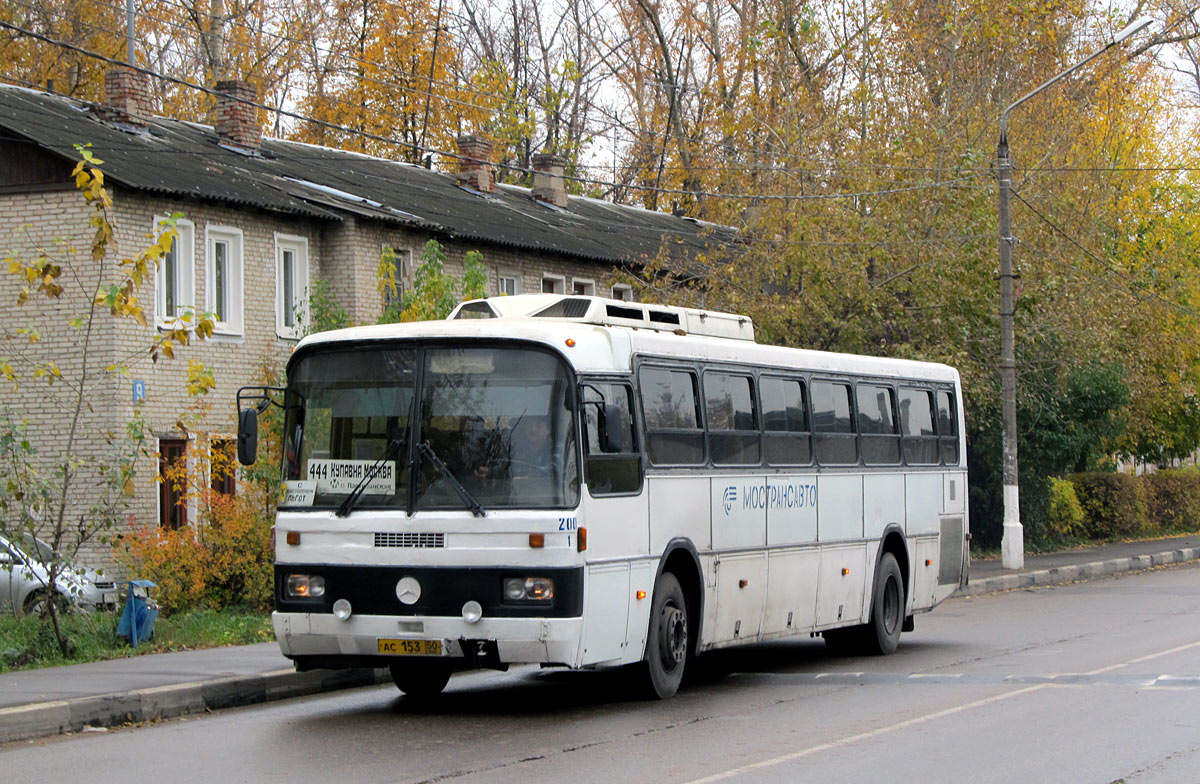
x=43 y=719
x=1068 y=574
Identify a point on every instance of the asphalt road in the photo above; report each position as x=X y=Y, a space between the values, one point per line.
x=1091 y=682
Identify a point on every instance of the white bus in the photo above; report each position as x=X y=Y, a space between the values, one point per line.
x=583 y=482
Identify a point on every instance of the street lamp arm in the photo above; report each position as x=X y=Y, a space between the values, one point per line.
x=1121 y=36
x=1053 y=80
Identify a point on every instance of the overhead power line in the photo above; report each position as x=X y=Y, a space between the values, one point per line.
x=1101 y=262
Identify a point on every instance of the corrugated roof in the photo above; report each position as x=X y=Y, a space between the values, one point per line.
x=185 y=159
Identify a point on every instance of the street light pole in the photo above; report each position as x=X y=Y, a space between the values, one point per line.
x=1012 y=545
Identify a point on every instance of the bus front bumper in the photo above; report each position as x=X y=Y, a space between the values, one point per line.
x=360 y=638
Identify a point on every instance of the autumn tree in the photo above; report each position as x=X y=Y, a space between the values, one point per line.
x=41 y=489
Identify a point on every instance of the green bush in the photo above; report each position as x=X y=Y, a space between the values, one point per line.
x=1064 y=519
x=1114 y=505
x=1173 y=499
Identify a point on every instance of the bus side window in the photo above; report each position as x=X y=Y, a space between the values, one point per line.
x=948 y=427
x=785 y=419
x=877 y=425
x=674 y=435
x=916 y=425
x=732 y=420
x=834 y=439
x=610 y=472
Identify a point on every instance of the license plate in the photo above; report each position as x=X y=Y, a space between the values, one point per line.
x=389 y=647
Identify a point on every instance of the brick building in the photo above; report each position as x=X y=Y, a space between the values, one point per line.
x=262 y=218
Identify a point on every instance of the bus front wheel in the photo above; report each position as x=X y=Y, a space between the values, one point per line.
x=420 y=679
x=667 y=641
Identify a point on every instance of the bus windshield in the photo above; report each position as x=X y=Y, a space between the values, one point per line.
x=499 y=419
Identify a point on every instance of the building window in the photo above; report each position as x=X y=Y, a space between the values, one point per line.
x=508 y=283
x=222 y=466
x=554 y=284
x=291 y=285
x=583 y=288
x=174 y=286
x=172 y=477
x=396 y=263
x=622 y=292
x=223 y=278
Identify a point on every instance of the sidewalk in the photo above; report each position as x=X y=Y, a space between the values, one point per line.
x=52 y=701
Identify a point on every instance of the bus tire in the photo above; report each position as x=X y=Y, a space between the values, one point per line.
x=882 y=634
x=667 y=640
x=420 y=680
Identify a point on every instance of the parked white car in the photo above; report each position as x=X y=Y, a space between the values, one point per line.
x=24 y=578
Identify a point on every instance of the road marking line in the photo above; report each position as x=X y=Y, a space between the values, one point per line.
x=864 y=735
x=917 y=720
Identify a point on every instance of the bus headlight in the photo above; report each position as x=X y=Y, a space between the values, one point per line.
x=528 y=589
x=305 y=586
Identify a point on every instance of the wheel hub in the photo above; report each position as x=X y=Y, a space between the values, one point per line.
x=674 y=636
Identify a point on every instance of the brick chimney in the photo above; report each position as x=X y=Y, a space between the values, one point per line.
x=475 y=163
x=237 y=118
x=126 y=97
x=548 y=182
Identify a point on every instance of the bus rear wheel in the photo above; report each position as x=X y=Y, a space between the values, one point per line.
x=420 y=679
x=882 y=634
x=667 y=641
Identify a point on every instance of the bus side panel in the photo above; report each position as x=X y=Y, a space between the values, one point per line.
x=739 y=511
x=641 y=578
x=791 y=591
x=843 y=582
x=605 y=614
x=741 y=580
x=839 y=507
x=925 y=577
x=679 y=508
x=954 y=493
x=883 y=503
x=792 y=512
x=922 y=503
x=617 y=525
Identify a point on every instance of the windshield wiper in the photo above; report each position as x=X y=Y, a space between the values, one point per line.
x=472 y=503
x=392 y=448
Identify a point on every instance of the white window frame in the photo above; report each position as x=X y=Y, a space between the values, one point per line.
x=185 y=259
x=299 y=248
x=589 y=287
x=515 y=277
x=233 y=323
x=403 y=257
x=623 y=292
x=559 y=281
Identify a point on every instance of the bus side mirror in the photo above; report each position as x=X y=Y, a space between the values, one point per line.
x=247 y=445
x=612 y=429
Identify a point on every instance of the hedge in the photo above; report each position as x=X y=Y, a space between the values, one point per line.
x=1116 y=506
x=1174 y=499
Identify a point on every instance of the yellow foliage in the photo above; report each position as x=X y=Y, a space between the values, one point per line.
x=225 y=561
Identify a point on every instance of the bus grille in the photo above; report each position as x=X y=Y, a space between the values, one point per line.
x=409 y=540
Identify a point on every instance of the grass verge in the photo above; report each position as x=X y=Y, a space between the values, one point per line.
x=28 y=643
